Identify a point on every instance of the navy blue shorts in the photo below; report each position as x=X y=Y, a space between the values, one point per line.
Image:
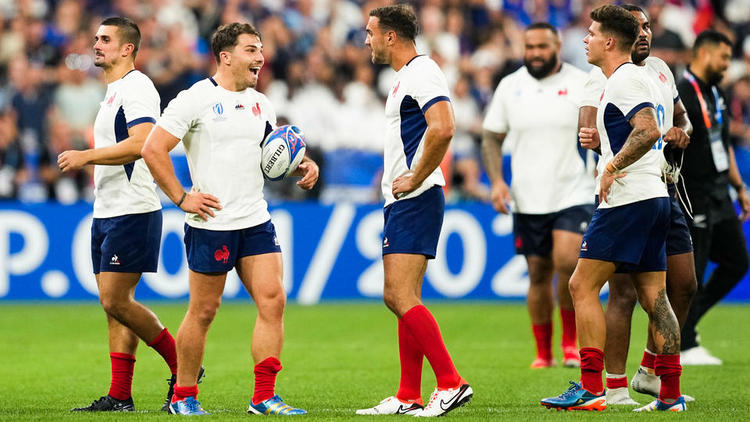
x=213 y=251
x=633 y=236
x=126 y=243
x=678 y=237
x=532 y=233
x=412 y=226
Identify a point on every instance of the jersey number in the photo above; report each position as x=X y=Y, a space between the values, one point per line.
x=660 y=119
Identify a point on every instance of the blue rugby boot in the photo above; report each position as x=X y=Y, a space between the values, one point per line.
x=274 y=406
x=188 y=407
x=576 y=398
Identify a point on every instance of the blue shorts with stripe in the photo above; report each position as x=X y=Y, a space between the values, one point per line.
x=678 y=237
x=633 y=236
x=126 y=243
x=412 y=226
x=213 y=251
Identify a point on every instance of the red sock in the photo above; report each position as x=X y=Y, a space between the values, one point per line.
x=165 y=346
x=411 y=358
x=668 y=368
x=425 y=329
x=649 y=359
x=543 y=336
x=592 y=365
x=617 y=381
x=265 y=379
x=181 y=393
x=568 y=318
x=122 y=375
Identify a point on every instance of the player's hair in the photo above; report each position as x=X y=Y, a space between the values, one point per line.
x=633 y=8
x=225 y=38
x=127 y=30
x=711 y=37
x=399 y=18
x=543 y=25
x=618 y=22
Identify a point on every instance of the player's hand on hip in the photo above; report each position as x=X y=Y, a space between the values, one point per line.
x=309 y=172
x=202 y=204
x=500 y=197
x=71 y=160
x=402 y=185
x=589 y=137
x=744 y=200
x=677 y=137
x=606 y=184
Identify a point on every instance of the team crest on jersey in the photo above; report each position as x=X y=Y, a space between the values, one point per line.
x=111 y=99
x=562 y=92
x=395 y=90
x=662 y=77
x=222 y=255
x=256 y=110
x=218 y=110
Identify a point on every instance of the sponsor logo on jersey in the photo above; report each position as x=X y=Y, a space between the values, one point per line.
x=385 y=242
x=239 y=107
x=222 y=255
x=584 y=246
x=115 y=260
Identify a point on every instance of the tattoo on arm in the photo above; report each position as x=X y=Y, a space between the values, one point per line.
x=492 y=153
x=665 y=324
x=643 y=136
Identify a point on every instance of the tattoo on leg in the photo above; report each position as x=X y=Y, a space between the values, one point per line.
x=665 y=324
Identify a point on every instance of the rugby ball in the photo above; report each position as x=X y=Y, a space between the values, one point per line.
x=281 y=152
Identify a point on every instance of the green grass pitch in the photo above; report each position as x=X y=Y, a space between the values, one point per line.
x=337 y=358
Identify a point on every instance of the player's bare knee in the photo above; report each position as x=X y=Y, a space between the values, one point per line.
x=114 y=305
x=271 y=307
x=205 y=311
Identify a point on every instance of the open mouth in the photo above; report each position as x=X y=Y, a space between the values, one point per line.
x=255 y=70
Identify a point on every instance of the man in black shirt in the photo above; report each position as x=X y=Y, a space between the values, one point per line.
x=708 y=168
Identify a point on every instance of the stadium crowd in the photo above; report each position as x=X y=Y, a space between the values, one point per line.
x=318 y=75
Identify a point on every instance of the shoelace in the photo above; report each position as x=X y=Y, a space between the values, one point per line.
x=192 y=404
x=573 y=389
x=99 y=401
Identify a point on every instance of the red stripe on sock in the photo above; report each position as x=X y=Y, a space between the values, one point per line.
x=668 y=369
x=411 y=357
x=618 y=382
x=425 y=329
x=543 y=337
x=265 y=379
x=181 y=393
x=122 y=365
x=592 y=365
x=569 y=337
x=165 y=346
x=648 y=360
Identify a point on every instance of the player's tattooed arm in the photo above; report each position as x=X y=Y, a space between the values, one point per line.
x=665 y=324
x=643 y=136
x=492 y=153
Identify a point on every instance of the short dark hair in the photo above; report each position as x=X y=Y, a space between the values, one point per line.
x=542 y=25
x=633 y=8
x=712 y=37
x=127 y=30
x=618 y=22
x=225 y=38
x=399 y=18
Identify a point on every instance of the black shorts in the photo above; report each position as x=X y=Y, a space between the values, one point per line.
x=678 y=236
x=532 y=233
x=412 y=226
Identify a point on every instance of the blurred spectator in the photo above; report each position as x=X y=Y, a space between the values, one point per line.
x=12 y=170
x=467 y=170
x=739 y=107
x=666 y=44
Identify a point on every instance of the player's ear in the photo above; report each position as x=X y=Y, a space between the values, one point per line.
x=225 y=58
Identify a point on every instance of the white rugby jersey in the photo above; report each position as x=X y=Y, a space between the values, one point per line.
x=222 y=131
x=539 y=117
x=628 y=90
x=129 y=188
x=657 y=69
x=418 y=85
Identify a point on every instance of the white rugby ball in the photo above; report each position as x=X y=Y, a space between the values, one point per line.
x=281 y=152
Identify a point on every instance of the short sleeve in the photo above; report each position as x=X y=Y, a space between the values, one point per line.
x=140 y=101
x=431 y=88
x=593 y=88
x=630 y=93
x=269 y=113
x=496 y=116
x=179 y=114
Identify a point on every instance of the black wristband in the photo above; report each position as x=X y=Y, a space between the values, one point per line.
x=184 y=194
